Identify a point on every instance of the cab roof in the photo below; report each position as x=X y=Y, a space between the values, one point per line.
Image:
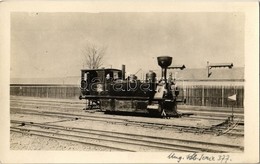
x=101 y=69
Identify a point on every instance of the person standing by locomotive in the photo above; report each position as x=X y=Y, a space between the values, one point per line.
x=170 y=86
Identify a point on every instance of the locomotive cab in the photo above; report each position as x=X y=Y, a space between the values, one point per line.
x=93 y=81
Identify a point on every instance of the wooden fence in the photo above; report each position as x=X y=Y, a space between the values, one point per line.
x=46 y=91
x=216 y=96
x=196 y=95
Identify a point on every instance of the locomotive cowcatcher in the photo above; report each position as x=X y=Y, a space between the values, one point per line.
x=109 y=90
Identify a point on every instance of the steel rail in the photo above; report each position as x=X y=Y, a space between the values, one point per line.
x=224 y=110
x=104 y=140
x=51 y=100
x=94 y=118
x=66 y=113
x=166 y=146
x=70 y=140
x=220 y=113
x=129 y=135
x=192 y=129
x=201 y=113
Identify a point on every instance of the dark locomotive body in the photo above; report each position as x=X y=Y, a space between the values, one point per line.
x=111 y=91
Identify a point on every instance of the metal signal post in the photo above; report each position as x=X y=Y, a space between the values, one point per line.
x=218 y=65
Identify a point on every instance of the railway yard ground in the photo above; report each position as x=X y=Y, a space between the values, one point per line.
x=61 y=124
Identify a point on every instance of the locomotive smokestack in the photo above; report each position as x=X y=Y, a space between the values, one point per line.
x=123 y=72
x=164 y=62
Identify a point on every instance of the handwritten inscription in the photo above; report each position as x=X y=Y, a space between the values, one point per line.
x=174 y=156
x=200 y=157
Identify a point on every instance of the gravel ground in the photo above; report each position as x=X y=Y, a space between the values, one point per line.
x=29 y=142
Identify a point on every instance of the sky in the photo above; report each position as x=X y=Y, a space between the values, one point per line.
x=47 y=45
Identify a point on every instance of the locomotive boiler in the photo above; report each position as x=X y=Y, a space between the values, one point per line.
x=111 y=91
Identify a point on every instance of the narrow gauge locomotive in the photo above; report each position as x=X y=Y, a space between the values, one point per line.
x=111 y=91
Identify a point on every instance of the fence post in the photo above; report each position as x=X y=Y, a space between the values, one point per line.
x=65 y=96
x=222 y=95
x=47 y=94
x=202 y=97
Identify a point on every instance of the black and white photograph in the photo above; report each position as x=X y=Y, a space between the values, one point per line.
x=171 y=84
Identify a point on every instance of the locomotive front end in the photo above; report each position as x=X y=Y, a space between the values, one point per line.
x=165 y=99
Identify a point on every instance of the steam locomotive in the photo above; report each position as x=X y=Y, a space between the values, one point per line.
x=111 y=91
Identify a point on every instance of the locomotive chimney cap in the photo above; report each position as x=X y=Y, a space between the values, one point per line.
x=164 y=61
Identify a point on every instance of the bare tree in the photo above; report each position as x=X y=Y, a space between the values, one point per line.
x=93 y=56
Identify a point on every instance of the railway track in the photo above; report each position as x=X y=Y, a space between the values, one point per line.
x=45 y=100
x=118 y=141
x=214 y=114
x=217 y=130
